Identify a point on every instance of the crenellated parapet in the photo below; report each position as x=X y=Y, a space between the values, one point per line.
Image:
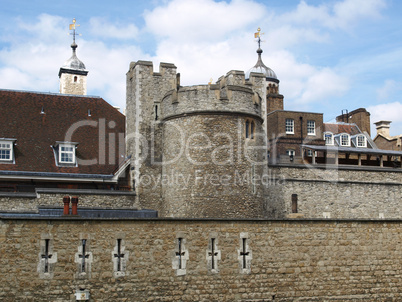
x=231 y=94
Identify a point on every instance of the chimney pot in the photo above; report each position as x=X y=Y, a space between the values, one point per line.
x=66 y=201
x=74 y=203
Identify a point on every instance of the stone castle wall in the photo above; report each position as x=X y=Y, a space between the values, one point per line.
x=145 y=89
x=209 y=167
x=31 y=201
x=259 y=260
x=338 y=193
x=175 y=132
x=230 y=94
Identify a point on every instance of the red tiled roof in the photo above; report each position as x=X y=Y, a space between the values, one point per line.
x=36 y=133
x=337 y=128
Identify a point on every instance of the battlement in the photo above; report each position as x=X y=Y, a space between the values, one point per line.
x=163 y=67
x=231 y=93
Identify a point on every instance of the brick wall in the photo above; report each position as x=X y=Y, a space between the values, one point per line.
x=299 y=260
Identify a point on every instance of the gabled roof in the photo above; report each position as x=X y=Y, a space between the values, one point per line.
x=38 y=120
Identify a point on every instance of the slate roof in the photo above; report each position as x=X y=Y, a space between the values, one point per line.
x=38 y=120
x=337 y=128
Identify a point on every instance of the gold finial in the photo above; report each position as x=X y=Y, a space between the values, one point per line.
x=210 y=81
x=257 y=35
x=72 y=27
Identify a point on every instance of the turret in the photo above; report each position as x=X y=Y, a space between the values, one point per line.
x=73 y=75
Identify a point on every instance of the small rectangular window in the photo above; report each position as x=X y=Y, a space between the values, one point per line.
x=290 y=152
x=310 y=127
x=290 y=126
x=5 y=151
x=67 y=154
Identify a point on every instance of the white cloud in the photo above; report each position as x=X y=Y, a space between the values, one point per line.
x=344 y=14
x=388 y=112
x=349 y=12
x=387 y=91
x=304 y=84
x=102 y=28
x=202 y=20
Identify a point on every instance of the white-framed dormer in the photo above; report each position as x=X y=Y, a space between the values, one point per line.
x=65 y=153
x=7 y=150
x=329 y=138
x=360 y=141
x=344 y=140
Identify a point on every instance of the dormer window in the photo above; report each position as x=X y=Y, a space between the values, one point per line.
x=361 y=141
x=345 y=140
x=329 y=138
x=65 y=153
x=6 y=150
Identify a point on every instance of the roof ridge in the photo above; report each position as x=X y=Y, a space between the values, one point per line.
x=51 y=93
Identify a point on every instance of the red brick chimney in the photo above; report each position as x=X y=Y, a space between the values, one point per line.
x=66 y=201
x=74 y=203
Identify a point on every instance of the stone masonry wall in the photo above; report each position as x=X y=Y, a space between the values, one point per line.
x=334 y=192
x=145 y=89
x=68 y=86
x=209 y=167
x=20 y=203
x=259 y=260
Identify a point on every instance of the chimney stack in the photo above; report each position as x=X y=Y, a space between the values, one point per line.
x=66 y=201
x=74 y=203
x=383 y=128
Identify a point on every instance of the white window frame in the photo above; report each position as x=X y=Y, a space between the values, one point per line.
x=341 y=140
x=290 y=126
x=71 y=151
x=67 y=152
x=6 y=146
x=310 y=127
x=310 y=153
x=290 y=152
x=331 y=143
x=364 y=145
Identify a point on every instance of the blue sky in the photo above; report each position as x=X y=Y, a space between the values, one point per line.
x=329 y=55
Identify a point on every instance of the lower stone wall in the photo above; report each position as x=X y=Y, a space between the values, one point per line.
x=334 y=193
x=254 y=260
x=31 y=201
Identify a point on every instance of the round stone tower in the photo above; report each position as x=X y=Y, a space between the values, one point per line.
x=213 y=151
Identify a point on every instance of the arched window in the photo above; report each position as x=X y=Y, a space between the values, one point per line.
x=252 y=126
x=345 y=140
x=75 y=79
x=361 y=141
x=329 y=138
